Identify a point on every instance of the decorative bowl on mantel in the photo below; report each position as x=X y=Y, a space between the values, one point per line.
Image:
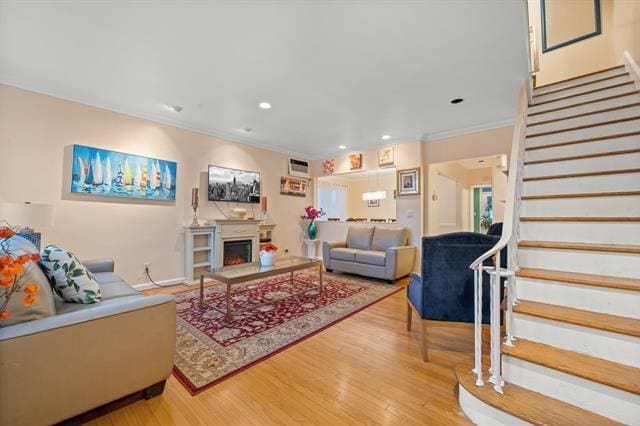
x=237 y=213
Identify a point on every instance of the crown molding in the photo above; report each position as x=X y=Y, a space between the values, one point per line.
x=101 y=104
x=466 y=130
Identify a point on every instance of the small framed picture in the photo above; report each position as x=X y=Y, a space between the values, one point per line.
x=373 y=203
x=408 y=181
x=355 y=161
x=293 y=186
x=385 y=157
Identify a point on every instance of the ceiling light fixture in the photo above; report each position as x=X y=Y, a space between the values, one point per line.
x=175 y=108
x=374 y=195
x=386 y=137
x=456 y=100
x=264 y=105
x=247 y=130
x=342 y=147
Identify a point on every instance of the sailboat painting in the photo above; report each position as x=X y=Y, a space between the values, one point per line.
x=103 y=172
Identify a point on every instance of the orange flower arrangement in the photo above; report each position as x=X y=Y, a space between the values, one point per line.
x=11 y=266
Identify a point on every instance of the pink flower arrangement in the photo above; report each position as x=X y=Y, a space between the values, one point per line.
x=311 y=213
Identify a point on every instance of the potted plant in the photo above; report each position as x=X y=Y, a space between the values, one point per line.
x=311 y=214
x=268 y=254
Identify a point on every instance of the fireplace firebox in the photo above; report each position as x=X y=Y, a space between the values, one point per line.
x=237 y=252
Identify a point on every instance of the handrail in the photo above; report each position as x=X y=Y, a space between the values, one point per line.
x=517 y=150
x=508 y=238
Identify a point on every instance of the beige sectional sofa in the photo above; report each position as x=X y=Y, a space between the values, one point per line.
x=372 y=251
x=85 y=356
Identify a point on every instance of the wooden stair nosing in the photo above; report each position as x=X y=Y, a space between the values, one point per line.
x=579 y=76
x=609 y=373
x=583 y=156
x=585 y=140
x=586 y=126
x=581 y=195
x=558 y=245
x=550 y=92
x=607 y=98
x=530 y=406
x=579 y=219
x=582 y=174
x=581 y=317
x=607 y=281
x=588 y=92
x=570 y=117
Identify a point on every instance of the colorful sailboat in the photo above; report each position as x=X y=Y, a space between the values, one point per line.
x=143 y=180
x=137 y=178
x=153 y=177
x=83 y=172
x=127 y=173
x=119 y=180
x=158 y=179
x=88 y=180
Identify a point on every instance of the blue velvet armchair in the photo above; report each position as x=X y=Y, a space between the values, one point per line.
x=445 y=291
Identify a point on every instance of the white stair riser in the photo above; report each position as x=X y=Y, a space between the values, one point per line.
x=605 y=300
x=594 y=164
x=581 y=98
x=482 y=414
x=581 y=261
x=592 y=132
x=580 y=89
x=586 y=120
x=601 y=145
x=601 y=399
x=580 y=80
x=591 y=206
x=582 y=232
x=616 y=182
x=590 y=341
x=581 y=109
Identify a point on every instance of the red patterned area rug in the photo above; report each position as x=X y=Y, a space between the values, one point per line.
x=278 y=315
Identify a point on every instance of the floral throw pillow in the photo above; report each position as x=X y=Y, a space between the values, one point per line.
x=69 y=277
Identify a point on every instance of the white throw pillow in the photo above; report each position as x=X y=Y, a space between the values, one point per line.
x=70 y=279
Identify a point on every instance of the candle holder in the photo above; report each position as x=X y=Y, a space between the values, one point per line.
x=194 y=205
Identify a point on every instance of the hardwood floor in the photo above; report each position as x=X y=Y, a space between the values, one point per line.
x=366 y=369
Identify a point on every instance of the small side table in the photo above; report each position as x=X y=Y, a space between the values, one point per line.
x=312 y=248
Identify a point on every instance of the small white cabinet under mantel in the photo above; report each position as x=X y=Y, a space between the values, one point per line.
x=199 y=250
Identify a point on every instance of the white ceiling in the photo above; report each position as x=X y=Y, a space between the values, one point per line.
x=335 y=72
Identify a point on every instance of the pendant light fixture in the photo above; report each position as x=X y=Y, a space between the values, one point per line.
x=375 y=195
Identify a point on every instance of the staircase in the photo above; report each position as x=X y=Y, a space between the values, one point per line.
x=575 y=358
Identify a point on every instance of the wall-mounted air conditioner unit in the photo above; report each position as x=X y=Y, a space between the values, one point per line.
x=299 y=168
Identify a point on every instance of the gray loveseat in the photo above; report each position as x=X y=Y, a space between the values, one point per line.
x=85 y=356
x=372 y=251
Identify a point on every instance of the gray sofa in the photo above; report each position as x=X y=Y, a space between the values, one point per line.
x=372 y=251
x=85 y=356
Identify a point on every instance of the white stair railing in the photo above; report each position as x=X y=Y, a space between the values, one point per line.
x=508 y=239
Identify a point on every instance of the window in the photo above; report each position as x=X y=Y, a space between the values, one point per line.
x=332 y=198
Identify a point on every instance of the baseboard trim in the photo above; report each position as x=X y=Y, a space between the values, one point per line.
x=164 y=283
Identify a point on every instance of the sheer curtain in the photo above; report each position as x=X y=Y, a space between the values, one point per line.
x=332 y=198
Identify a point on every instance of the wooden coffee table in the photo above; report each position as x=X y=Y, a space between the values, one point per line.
x=236 y=274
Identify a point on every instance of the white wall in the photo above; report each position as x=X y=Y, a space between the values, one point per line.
x=36 y=132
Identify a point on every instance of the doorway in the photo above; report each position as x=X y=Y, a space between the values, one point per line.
x=481 y=208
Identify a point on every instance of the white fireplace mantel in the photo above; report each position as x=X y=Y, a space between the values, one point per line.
x=235 y=230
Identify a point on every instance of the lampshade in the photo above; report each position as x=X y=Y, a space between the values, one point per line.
x=374 y=195
x=27 y=214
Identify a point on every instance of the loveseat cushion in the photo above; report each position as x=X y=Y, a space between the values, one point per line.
x=384 y=238
x=371 y=257
x=31 y=297
x=115 y=289
x=359 y=237
x=347 y=254
x=69 y=278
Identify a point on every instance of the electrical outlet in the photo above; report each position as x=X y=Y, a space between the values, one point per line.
x=286 y=251
x=147 y=266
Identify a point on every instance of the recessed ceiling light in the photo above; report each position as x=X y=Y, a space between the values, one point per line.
x=480 y=161
x=386 y=137
x=456 y=100
x=247 y=129
x=264 y=105
x=342 y=147
x=175 y=108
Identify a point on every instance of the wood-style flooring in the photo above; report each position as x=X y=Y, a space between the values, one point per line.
x=366 y=369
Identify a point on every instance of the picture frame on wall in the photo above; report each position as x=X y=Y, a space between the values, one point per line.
x=386 y=157
x=408 y=181
x=373 y=203
x=328 y=166
x=293 y=186
x=355 y=161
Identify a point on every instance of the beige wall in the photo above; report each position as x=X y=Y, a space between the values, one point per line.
x=620 y=31
x=470 y=145
x=35 y=135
